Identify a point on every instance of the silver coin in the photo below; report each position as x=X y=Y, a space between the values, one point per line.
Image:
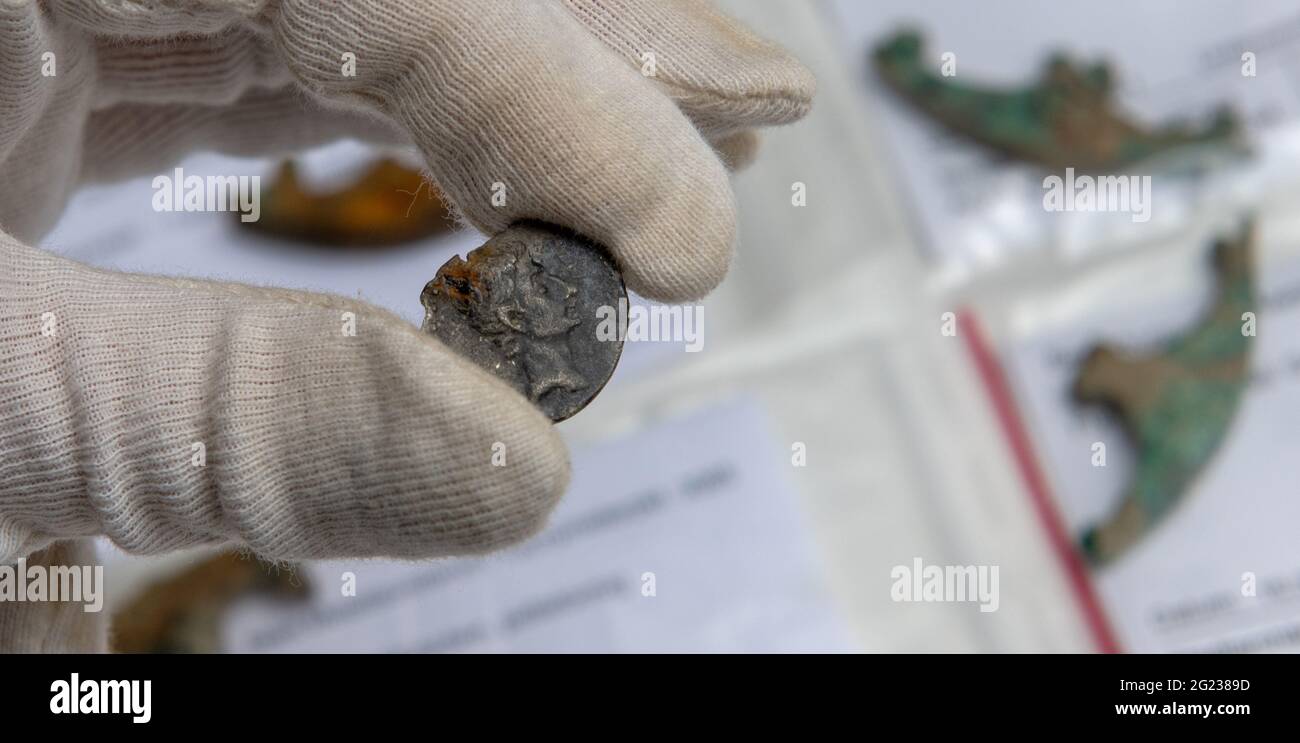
x=526 y=306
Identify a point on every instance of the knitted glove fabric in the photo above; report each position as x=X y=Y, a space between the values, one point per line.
x=315 y=442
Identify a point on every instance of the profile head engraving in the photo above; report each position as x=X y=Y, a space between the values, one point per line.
x=523 y=306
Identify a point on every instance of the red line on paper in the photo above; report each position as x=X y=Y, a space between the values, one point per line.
x=995 y=382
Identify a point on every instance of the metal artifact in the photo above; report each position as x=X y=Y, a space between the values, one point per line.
x=183 y=613
x=1066 y=120
x=527 y=307
x=390 y=204
x=1176 y=404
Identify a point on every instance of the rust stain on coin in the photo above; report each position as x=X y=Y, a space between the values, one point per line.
x=524 y=307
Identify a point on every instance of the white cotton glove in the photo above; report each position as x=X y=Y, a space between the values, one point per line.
x=320 y=444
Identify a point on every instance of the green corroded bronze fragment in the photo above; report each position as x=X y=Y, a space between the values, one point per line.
x=1066 y=120
x=1176 y=404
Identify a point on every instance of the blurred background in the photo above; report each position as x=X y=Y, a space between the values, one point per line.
x=888 y=379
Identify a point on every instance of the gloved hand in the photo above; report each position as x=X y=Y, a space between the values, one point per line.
x=319 y=444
